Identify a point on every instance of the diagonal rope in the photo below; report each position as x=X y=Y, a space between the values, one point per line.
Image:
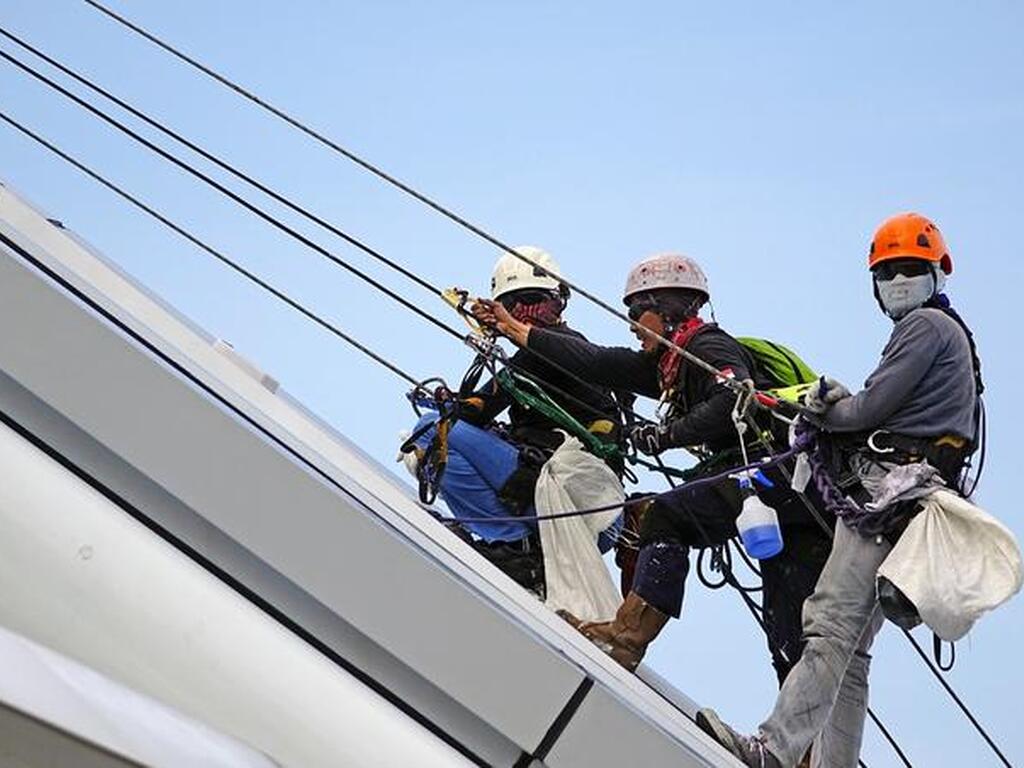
x=211 y=182
x=219 y=162
x=959 y=702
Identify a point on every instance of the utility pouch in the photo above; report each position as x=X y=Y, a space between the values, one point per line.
x=518 y=491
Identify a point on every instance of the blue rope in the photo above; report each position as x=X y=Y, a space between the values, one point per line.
x=677 y=491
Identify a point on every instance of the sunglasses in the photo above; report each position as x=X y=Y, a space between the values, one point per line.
x=640 y=305
x=526 y=297
x=887 y=270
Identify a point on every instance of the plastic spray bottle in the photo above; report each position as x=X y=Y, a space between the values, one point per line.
x=758 y=524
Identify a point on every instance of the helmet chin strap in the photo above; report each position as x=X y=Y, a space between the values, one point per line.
x=711 y=309
x=689 y=312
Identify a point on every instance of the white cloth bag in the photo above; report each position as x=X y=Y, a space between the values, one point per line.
x=954 y=562
x=577 y=579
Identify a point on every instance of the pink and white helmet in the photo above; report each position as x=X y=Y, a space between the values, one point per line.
x=665 y=270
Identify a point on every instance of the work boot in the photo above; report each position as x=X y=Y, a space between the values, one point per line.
x=626 y=637
x=750 y=750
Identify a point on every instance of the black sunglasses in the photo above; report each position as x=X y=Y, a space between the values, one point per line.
x=526 y=297
x=887 y=270
x=641 y=304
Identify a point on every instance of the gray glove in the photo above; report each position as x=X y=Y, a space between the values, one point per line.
x=824 y=394
x=650 y=439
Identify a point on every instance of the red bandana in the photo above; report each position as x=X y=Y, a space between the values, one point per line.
x=542 y=313
x=668 y=366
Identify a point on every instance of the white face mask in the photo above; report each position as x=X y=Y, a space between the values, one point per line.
x=902 y=294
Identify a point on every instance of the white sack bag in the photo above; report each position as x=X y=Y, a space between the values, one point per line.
x=576 y=576
x=954 y=562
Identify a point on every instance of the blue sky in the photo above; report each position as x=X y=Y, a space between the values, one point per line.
x=765 y=140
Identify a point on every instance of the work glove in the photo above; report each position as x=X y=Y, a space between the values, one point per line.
x=412 y=458
x=650 y=439
x=824 y=394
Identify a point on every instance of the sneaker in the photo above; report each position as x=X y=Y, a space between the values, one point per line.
x=750 y=750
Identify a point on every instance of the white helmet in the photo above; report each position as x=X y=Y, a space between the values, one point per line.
x=666 y=270
x=513 y=274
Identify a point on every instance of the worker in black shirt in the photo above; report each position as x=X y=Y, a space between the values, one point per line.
x=664 y=295
x=491 y=472
x=535 y=297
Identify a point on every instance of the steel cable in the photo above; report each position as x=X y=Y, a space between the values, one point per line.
x=211 y=182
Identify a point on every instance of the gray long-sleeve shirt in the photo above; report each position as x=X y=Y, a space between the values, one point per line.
x=923 y=387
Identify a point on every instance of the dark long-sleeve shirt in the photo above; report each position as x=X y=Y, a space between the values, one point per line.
x=702 y=407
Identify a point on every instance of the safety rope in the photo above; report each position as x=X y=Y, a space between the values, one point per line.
x=218 y=161
x=956 y=698
x=235 y=197
x=672 y=493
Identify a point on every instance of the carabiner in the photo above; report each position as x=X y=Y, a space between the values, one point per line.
x=876 y=449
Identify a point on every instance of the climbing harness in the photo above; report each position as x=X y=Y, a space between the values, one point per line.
x=529 y=394
x=432 y=460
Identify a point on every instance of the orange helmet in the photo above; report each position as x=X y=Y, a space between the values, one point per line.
x=909 y=236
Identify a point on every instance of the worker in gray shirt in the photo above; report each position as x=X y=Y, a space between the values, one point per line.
x=917 y=415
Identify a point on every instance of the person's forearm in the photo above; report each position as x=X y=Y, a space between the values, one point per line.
x=603 y=366
x=517 y=332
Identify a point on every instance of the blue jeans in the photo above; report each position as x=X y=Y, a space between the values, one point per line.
x=825 y=696
x=479 y=464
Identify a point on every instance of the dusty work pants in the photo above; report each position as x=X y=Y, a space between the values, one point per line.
x=824 y=698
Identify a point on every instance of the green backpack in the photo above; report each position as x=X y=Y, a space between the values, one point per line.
x=791 y=376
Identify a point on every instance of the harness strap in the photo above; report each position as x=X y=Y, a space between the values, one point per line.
x=937 y=653
x=531 y=396
x=947 y=453
x=433 y=460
